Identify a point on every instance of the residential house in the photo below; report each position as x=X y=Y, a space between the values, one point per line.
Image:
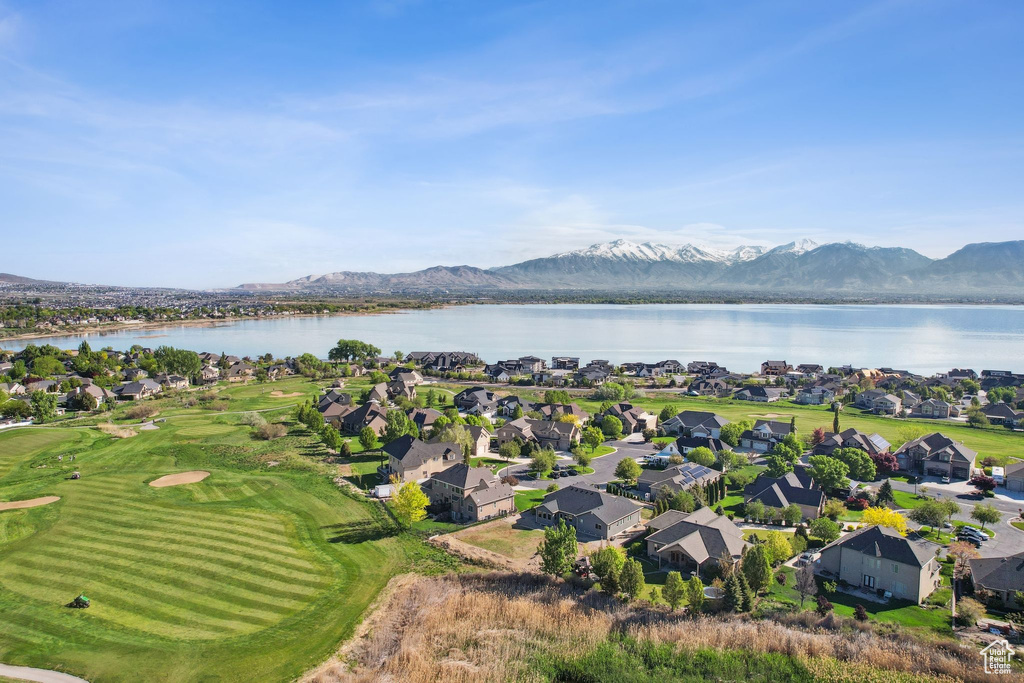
x=685 y=444
x=702 y=367
x=775 y=368
x=210 y=374
x=424 y=418
x=887 y=404
x=554 y=411
x=239 y=372
x=1002 y=414
x=759 y=394
x=476 y=401
x=481 y=441
x=697 y=423
x=878 y=558
x=814 y=396
x=933 y=408
x=546 y=433
x=695 y=541
x=405 y=375
x=401 y=389
x=810 y=370
x=506 y=405
x=171 y=381
x=565 y=363
x=367 y=415
x=133 y=374
x=962 y=373
x=594 y=514
x=936 y=455
x=872 y=444
x=13 y=388
x=411 y=459
x=472 y=493
x=795 y=488
x=764 y=435
x=682 y=477
x=709 y=387
x=1001 y=577
x=134 y=391
x=593 y=375
x=378 y=393
x=97 y=392
x=633 y=419
x=1013 y=477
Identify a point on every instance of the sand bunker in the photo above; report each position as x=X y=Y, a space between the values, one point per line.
x=276 y=393
x=179 y=479
x=33 y=503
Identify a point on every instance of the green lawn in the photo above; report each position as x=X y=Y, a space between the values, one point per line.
x=528 y=499
x=1018 y=525
x=495 y=464
x=257 y=572
x=602 y=450
x=907 y=501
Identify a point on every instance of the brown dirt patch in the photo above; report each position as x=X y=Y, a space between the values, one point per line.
x=32 y=503
x=115 y=431
x=277 y=393
x=179 y=479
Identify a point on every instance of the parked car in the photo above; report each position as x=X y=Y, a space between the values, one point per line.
x=971 y=532
x=945 y=480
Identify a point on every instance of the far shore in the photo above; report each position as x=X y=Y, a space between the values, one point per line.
x=157 y=325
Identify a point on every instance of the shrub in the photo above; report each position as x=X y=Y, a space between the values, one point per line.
x=781 y=578
x=859 y=613
x=269 y=432
x=968 y=611
x=217 y=405
x=140 y=412
x=552 y=487
x=824 y=606
x=253 y=420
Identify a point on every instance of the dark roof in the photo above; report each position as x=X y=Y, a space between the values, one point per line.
x=577 y=500
x=714 y=445
x=463 y=476
x=412 y=452
x=880 y=541
x=999 y=573
x=700 y=418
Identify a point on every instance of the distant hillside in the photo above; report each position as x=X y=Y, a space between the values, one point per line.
x=801 y=267
x=8 y=279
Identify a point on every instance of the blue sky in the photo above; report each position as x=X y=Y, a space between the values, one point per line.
x=206 y=144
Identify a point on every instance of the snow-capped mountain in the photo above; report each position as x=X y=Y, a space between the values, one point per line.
x=802 y=266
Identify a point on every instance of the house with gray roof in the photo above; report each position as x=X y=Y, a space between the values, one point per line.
x=693 y=541
x=472 y=494
x=877 y=558
x=594 y=514
x=794 y=488
x=411 y=459
x=765 y=434
x=936 y=455
x=1000 y=577
x=699 y=423
x=758 y=394
x=872 y=444
x=682 y=477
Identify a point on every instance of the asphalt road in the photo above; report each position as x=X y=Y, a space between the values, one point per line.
x=604 y=467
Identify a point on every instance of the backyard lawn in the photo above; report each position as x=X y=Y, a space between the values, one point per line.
x=502 y=538
x=529 y=499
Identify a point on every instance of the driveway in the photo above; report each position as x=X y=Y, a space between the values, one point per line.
x=604 y=467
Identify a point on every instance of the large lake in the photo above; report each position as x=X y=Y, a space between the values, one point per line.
x=923 y=339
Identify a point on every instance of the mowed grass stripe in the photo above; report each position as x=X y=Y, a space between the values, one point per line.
x=143 y=547
x=267 y=523
x=152 y=617
x=60 y=627
x=212 y=603
x=243 y=537
x=237 y=577
x=186 y=539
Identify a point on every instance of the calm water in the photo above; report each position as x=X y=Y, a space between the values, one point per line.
x=923 y=339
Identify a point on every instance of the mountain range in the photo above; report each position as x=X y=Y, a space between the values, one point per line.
x=990 y=268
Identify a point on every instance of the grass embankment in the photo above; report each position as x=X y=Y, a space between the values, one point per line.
x=261 y=568
x=529 y=627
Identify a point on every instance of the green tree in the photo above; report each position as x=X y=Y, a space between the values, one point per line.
x=733 y=598
x=986 y=514
x=410 y=503
x=701 y=455
x=368 y=439
x=695 y=593
x=543 y=461
x=829 y=473
x=592 y=438
x=929 y=513
x=44 y=406
x=352 y=349
x=675 y=590
x=631 y=578
x=859 y=463
x=950 y=507
x=778 y=466
x=331 y=437
x=509 y=451
x=178 y=361
x=667 y=413
x=885 y=494
x=396 y=425
x=611 y=426
x=607 y=560
x=682 y=501
x=778 y=547
x=628 y=470
x=582 y=457
x=756 y=567
x=835 y=417
x=825 y=529
x=558 y=549
x=792 y=514
x=47 y=366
